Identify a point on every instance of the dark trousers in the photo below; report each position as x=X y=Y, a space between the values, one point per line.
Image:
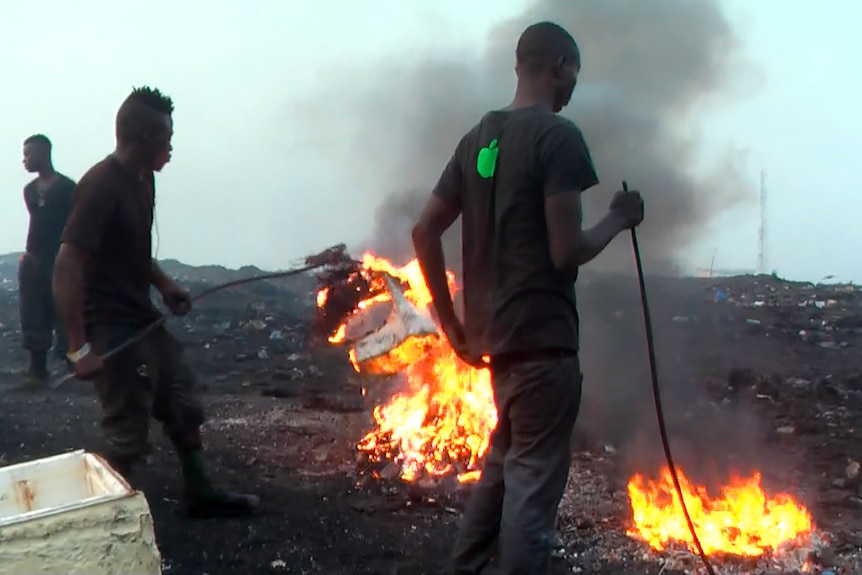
x=148 y=379
x=39 y=320
x=513 y=507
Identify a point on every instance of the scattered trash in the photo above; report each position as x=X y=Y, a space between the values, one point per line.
x=258 y=340
x=256 y=324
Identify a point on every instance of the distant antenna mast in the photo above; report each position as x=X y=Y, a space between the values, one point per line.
x=761 y=255
x=712 y=262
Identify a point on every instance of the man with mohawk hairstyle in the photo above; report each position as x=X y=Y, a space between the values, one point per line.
x=516 y=180
x=102 y=280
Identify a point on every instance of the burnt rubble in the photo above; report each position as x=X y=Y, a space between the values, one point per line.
x=786 y=350
x=343 y=289
x=340 y=290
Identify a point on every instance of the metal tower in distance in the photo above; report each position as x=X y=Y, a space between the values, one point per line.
x=761 y=254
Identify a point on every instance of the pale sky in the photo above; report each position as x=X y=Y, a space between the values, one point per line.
x=244 y=188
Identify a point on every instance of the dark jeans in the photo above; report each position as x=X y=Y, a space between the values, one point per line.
x=514 y=505
x=149 y=379
x=39 y=321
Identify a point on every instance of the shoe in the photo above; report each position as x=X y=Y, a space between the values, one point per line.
x=222 y=505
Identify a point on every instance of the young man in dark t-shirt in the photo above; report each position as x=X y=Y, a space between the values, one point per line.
x=48 y=199
x=516 y=180
x=102 y=282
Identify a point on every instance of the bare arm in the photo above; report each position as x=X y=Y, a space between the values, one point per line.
x=572 y=246
x=69 y=292
x=435 y=219
x=92 y=211
x=441 y=211
x=568 y=172
x=158 y=278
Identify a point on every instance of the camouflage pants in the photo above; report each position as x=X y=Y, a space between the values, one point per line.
x=39 y=321
x=513 y=507
x=149 y=379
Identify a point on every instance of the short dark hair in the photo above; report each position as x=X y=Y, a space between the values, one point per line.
x=142 y=110
x=39 y=139
x=543 y=43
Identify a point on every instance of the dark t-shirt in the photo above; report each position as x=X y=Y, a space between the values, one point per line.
x=111 y=219
x=48 y=214
x=515 y=299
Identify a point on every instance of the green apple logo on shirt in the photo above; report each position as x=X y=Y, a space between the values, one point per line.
x=486 y=160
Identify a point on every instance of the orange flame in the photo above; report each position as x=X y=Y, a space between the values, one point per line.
x=322 y=296
x=339 y=335
x=743 y=521
x=441 y=423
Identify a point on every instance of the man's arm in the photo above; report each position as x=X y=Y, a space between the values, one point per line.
x=568 y=172
x=158 y=278
x=441 y=211
x=572 y=246
x=92 y=210
x=69 y=292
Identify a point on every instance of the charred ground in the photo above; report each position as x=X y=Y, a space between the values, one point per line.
x=770 y=371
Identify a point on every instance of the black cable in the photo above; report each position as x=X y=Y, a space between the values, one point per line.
x=656 y=391
x=141 y=335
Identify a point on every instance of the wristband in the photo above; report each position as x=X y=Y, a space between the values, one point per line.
x=76 y=356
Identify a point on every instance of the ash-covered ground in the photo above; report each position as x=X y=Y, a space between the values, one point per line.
x=757 y=373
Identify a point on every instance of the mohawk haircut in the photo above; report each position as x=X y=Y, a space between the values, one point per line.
x=142 y=111
x=39 y=139
x=544 y=43
x=152 y=98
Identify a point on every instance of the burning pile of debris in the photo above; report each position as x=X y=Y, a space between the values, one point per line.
x=437 y=425
x=434 y=428
x=744 y=522
x=639 y=528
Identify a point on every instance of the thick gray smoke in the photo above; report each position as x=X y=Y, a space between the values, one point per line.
x=650 y=70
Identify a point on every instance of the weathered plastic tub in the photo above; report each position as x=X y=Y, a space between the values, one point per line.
x=72 y=514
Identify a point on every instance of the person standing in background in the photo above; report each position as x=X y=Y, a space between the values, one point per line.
x=49 y=200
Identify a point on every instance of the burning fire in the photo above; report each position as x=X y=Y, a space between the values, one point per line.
x=744 y=521
x=441 y=422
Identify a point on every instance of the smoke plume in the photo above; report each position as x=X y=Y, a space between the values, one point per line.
x=650 y=69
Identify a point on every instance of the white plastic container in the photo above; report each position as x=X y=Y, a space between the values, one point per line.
x=72 y=514
x=404 y=321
